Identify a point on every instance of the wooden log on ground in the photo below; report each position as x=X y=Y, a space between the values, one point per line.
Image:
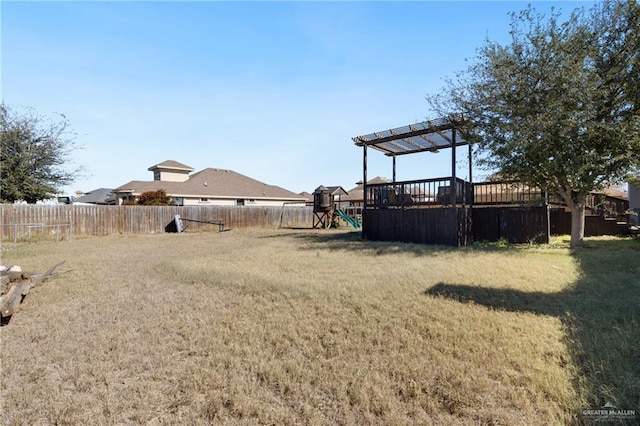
x=14 y=286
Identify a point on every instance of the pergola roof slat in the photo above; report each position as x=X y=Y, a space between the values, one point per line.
x=406 y=140
x=419 y=137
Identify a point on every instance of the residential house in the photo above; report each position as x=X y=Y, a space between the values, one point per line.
x=612 y=201
x=308 y=196
x=352 y=202
x=355 y=196
x=100 y=196
x=210 y=186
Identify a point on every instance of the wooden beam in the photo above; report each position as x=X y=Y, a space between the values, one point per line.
x=412 y=151
x=431 y=142
x=360 y=140
x=445 y=137
x=387 y=151
x=407 y=140
x=453 y=191
x=394 y=169
x=396 y=144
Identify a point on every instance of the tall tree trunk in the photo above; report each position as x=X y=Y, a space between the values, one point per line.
x=577 y=222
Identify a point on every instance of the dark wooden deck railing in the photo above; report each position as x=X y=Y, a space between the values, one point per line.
x=416 y=193
x=600 y=204
x=607 y=206
x=437 y=192
x=505 y=193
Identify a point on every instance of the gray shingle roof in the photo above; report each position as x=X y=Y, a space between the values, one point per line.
x=212 y=183
x=357 y=193
x=306 y=195
x=337 y=190
x=97 y=196
x=170 y=164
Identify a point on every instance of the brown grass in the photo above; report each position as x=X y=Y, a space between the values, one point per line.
x=306 y=327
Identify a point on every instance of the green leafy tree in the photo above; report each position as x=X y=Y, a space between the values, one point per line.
x=34 y=155
x=155 y=198
x=558 y=107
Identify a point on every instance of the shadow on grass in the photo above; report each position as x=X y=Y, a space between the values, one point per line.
x=352 y=240
x=600 y=312
x=601 y=315
x=329 y=237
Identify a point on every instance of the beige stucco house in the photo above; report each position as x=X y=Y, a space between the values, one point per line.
x=210 y=186
x=355 y=196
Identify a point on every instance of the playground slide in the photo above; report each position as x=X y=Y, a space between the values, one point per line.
x=351 y=221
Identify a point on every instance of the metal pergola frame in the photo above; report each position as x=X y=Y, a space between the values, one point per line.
x=426 y=136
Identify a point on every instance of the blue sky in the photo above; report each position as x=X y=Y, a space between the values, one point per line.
x=272 y=90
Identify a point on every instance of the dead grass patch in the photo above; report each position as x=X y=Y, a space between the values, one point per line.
x=306 y=327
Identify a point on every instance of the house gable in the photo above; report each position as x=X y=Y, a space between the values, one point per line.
x=356 y=194
x=210 y=186
x=170 y=171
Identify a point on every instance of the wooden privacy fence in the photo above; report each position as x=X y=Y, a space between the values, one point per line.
x=514 y=224
x=66 y=221
x=442 y=225
x=594 y=225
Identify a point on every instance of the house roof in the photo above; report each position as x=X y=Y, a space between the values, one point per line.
x=615 y=193
x=357 y=193
x=337 y=190
x=430 y=135
x=97 y=196
x=171 y=165
x=213 y=183
x=306 y=195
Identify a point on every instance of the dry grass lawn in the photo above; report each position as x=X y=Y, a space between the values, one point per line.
x=318 y=328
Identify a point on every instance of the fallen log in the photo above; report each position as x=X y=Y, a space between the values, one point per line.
x=14 y=286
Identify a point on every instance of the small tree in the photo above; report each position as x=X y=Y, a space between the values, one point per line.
x=155 y=198
x=559 y=107
x=34 y=155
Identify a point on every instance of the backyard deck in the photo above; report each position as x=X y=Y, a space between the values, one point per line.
x=454 y=211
